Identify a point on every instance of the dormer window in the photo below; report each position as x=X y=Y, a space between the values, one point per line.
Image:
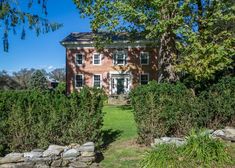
x=120 y=57
x=79 y=59
x=144 y=58
x=97 y=59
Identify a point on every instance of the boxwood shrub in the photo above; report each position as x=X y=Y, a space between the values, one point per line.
x=32 y=119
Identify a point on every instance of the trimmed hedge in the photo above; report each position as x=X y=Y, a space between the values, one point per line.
x=172 y=109
x=32 y=119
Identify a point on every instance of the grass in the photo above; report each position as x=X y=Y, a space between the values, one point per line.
x=120 y=136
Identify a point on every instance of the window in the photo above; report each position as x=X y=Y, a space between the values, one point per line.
x=79 y=59
x=79 y=81
x=96 y=59
x=144 y=58
x=144 y=79
x=97 y=81
x=120 y=58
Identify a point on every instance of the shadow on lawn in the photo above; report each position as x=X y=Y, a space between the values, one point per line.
x=125 y=107
x=110 y=136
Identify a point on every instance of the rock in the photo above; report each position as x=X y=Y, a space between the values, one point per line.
x=53 y=150
x=87 y=154
x=65 y=163
x=87 y=147
x=18 y=165
x=218 y=133
x=12 y=158
x=37 y=150
x=41 y=166
x=33 y=154
x=168 y=140
x=42 y=161
x=230 y=131
x=78 y=164
x=71 y=153
x=56 y=163
x=87 y=159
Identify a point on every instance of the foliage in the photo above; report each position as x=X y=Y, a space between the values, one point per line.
x=200 y=150
x=172 y=109
x=32 y=119
x=38 y=81
x=218 y=104
x=12 y=17
x=162 y=109
x=194 y=37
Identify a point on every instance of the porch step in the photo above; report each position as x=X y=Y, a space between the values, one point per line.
x=118 y=100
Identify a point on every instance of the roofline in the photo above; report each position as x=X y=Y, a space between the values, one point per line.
x=92 y=43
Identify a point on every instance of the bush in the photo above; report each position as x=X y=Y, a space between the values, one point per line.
x=172 y=109
x=33 y=119
x=219 y=104
x=162 y=109
x=199 y=151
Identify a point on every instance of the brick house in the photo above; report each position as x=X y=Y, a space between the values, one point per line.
x=117 y=68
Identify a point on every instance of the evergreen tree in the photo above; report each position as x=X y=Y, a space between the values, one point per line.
x=38 y=81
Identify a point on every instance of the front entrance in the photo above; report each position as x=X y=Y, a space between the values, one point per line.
x=120 y=86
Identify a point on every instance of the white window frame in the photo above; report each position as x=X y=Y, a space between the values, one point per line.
x=75 y=81
x=125 y=57
x=144 y=74
x=141 y=58
x=93 y=60
x=76 y=59
x=101 y=79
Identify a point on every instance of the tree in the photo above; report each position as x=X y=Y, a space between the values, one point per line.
x=58 y=74
x=12 y=18
x=23 y=76
x=38 y=81
x=172 y=25
x=7 y=82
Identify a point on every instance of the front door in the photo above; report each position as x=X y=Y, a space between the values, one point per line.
x=120 y=85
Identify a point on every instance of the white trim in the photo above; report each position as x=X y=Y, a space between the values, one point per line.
x=83 y=55
x=148 y=57
x=125 y=56
x=93 y=58
x=143 y=74
x=75 y=81
x=101 y=79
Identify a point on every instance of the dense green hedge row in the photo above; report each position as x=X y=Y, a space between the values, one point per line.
x=31 y=119
x=172 y=109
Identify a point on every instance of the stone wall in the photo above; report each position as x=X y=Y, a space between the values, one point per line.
x=72 y=156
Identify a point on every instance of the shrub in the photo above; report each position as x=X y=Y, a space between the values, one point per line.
x=219 y=104
x=172 y=109
x=199 y=151
x=33 y=119
x=162 y=109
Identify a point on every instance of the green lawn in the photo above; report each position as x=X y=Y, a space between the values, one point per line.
x=120 y=137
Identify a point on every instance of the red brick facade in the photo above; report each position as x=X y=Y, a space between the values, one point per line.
x=133 y=66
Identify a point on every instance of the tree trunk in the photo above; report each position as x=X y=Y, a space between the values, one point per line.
x=167 y=58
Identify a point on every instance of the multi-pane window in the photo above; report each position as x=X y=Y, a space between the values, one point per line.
x=79 y=81
x=144 y=58
x=96 y=59
x=144 y=79
x=79 y=59
x=120 y=58
x=97 y=81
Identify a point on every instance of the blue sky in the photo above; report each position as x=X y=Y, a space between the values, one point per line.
x=44 y=51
